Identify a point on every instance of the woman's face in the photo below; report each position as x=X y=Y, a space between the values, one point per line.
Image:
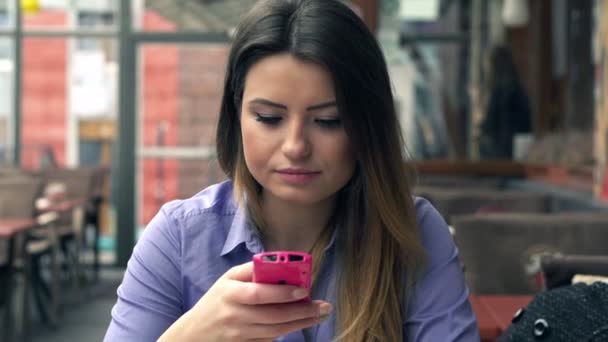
x=293 y=140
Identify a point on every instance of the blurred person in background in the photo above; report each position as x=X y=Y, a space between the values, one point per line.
x=507 y=107
x=309 y=138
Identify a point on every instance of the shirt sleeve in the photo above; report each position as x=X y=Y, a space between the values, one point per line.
x=439 y=309
x=150 y=296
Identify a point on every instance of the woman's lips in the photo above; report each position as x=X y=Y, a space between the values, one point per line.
x=297 y=176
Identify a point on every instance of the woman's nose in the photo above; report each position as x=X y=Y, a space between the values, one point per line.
x=296 y=144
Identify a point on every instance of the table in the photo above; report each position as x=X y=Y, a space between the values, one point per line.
x=13 y=226
x=494 y=313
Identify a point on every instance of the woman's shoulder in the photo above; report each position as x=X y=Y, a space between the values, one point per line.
x=433 y=231
x=210 y=211
x=216 y=199
x=427 y=217
x=206 y=216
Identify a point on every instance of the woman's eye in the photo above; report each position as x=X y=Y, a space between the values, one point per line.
x=267 y=119
x=329 y=123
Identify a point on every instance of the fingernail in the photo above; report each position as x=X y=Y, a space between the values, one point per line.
x=324 y=310
x=300 y=293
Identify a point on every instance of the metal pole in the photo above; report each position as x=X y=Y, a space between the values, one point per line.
x=17 y=82
x=125 y=175
x=474 y=80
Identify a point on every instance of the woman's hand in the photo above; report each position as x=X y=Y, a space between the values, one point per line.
x=236 y=309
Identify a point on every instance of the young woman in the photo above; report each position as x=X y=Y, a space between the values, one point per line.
x=309 y=138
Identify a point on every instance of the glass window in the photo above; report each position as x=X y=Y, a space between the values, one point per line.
x=6 y=96
x=95 y=20
x=63 y=85
x=189 y=15
x=180 y=88
x=416 y=72
x=69 y=14
x=92 y=115
x=93 y=78
x=69 y=115
x=6 y=13
x=6 y=48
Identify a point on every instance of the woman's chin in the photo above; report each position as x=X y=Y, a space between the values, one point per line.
x=298 y=196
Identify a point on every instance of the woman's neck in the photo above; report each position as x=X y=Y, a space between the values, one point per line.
x=293 y=226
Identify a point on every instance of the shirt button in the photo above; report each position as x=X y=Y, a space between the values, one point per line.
x=541 y=329
x=518 y=315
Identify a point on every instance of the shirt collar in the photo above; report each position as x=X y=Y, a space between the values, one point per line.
x=242 y=232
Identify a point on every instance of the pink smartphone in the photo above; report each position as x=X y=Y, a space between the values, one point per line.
x=283 y=267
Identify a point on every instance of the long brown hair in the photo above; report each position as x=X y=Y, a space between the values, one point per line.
x=380 y=252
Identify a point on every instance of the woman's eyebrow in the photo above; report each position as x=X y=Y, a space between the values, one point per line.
x=323 y=105
x=268 y=103
x=319 y=106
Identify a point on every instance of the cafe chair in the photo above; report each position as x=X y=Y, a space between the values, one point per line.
x=79 y=189
x=444 y=181
x=42 y=249
x=5 y=283
x=18 y=193
x=453 y=202
x=502 y=252
x=559 y=270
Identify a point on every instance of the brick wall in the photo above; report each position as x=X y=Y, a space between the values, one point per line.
x=159 y=88
x=201 y=76
x=44 y=91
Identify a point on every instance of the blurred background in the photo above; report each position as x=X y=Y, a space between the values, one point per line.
x=108 y=110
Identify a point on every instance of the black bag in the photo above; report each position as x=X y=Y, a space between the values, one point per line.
x=576 y=313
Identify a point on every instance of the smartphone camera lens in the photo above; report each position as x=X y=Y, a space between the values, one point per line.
x=282 y=258
x=269 y=258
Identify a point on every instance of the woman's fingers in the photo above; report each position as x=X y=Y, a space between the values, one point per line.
x=273 y=331
x=244 y=291
x=263 y=311
x=264 y=332
x=284 y=313
x=254 y=293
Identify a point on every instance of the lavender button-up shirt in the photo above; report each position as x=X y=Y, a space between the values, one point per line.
x=191 y=243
